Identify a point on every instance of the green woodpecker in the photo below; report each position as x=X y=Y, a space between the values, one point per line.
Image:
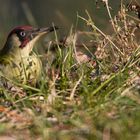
x=17 y=59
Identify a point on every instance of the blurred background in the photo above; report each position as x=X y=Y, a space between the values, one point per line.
x=41 y=13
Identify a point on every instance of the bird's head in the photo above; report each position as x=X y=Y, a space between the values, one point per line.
x=22 y=39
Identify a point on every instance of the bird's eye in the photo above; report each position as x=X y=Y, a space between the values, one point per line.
x=22 y=34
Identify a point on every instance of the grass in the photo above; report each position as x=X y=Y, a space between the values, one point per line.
x=77 y=99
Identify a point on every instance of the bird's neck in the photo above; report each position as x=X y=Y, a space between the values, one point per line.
x=15 y=55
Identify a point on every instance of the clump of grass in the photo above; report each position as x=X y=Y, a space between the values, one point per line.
x=93 y=99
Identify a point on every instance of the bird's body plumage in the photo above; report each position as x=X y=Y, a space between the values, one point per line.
x=25 y=70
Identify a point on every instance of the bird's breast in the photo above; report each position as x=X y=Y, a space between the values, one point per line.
x=25 y=70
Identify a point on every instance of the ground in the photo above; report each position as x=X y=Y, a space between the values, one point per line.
x=82 y=96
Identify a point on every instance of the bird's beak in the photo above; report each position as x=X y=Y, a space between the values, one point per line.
x=41 y=31
x=34 y=34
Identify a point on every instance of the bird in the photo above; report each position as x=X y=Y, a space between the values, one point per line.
x=18 y=61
